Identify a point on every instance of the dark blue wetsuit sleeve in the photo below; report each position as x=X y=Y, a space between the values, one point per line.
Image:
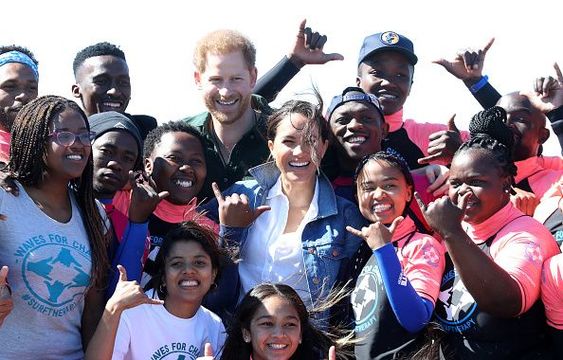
x=129 y=254
x=556 y=119
x=269 y=85
x=412 y=311
x=487 y=96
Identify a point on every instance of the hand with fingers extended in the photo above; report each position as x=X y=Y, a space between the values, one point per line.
x=308 y=48
x=443 y=144
x=207 y=353
x=524 y=201
x=144 y=197
x=128 y=294
x=467 y=64
x=377 y=234
x=548 y=92
x=443 y=215
x=234 y=209
x=6 y=303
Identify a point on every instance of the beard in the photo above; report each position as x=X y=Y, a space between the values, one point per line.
x=230 y=117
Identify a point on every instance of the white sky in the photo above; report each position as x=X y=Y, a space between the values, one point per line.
x=158 y=38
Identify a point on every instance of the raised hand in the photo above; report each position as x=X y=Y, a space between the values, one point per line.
x=443 y=215
x=6 y=303
x=377 y=234
x=443 y=144
x=234 y=209
x=207 y=353
x=308 y=48
x=437 y=176
x=524 y=201
x=548 y=92
x=128 y=294
x=467 y=64
x=144 y=197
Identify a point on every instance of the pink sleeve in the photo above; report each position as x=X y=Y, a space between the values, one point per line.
x=552 y=162
x=521 y=254
x=552 y=291
x=419 y=133
x=423 y=262
x=544 y=180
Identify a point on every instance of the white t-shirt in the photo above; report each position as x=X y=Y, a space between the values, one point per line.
x=150 y=332
x=50 y=264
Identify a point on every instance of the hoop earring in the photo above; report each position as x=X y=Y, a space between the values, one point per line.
x=162 y=288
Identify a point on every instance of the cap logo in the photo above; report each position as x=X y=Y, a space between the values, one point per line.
x=390 y=38
x=120 y=125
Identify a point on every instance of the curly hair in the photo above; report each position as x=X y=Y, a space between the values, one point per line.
x=22 y=49
x=154 y=137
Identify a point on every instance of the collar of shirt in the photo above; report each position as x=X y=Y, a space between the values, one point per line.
x=481 y=232
x=527 y=167
x=395 y=120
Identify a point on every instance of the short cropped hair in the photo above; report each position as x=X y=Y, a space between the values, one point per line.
x=99 y=49
x=222 y=42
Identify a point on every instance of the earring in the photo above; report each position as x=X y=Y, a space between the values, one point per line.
x=162 y=288
x=213 y=286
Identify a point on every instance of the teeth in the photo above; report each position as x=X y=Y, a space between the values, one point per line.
x=224 y=102
x=189 y=283
x=380 y=207
x=184 y=183
x=112 y=105
x=357 y=139
x=387 y=96
x=277 y=346
x=299 y=164
x=74 y=157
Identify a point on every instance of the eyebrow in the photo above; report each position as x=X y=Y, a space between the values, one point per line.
x=265 y=317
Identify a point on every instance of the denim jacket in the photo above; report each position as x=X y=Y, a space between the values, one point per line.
x=327 y=245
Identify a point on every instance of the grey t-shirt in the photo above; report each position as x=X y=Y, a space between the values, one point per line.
x=50 y=266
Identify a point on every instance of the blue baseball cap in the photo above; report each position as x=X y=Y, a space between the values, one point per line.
x=353 y=93
x=388 y=40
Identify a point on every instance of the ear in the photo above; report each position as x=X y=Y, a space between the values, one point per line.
x=384 y=129
x=409 y=193
x=358 y=81
x=253 y=76
x=149 y=166
x=323 y=148
x=543 y=135
x=197 y=79
x=76 y=91
x=246 y=335
x=213 y=275
x=270 y=145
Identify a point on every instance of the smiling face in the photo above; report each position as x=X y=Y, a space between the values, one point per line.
x=382 y=191
x=227 y=84
x=18 y=86
x=275 y=330
x=292 y=152
x=177 y=165
x=67 y=162
x=527 y=124
x=387 y=75
x=359 y=129
x=114 y=153
x=474 y=171
x=188 y=275
x=103 y=84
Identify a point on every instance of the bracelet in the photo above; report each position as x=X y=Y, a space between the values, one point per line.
x=479 y=84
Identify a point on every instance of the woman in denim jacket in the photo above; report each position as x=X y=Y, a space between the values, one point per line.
x=289 y=224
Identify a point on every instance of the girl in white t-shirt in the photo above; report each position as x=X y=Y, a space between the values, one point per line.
x=135 y=326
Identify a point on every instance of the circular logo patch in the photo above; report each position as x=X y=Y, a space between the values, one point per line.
x=390 y=38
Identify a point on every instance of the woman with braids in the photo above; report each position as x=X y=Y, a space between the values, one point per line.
x=488 y=304
x=289 y=223
x=52 y=237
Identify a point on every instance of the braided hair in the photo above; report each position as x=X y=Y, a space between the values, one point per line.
x=490 y=133
x=28 y=152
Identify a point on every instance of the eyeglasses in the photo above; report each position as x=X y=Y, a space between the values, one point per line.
x=67 y=138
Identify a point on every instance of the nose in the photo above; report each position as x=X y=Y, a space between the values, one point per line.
x=114 y=90
x=114 y=164
x=354 y=124
x=224 y=90
x=185 y=168
x=379 y=193
x=24 y=96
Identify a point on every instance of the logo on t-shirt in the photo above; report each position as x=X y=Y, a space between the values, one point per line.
x=365 y=297
x=455 y=305
x=55 y=271
x=176 y=351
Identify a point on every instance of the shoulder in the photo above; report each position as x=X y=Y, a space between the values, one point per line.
x=210 y=317
x=197 y=120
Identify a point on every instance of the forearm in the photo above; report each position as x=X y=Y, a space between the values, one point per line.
x=93 y=310
x=102 y=343
x=556 y=119
x=269 y=85
x=487 y=95
x=494 y=290
x=412 y=311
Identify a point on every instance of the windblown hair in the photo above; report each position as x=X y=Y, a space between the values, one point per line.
x=28 y=153
x=22 y=49
x=99 y=49
x=185 y=232
x=490 y=133
x=314 y=130
x=221 y=42
x=315 y=343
